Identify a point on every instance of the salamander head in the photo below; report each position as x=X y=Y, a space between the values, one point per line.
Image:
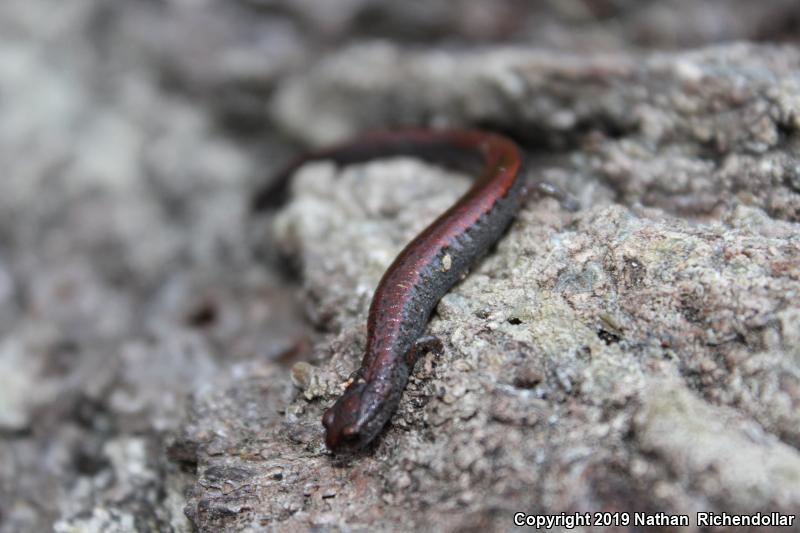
x=355 y=419
x=342 y=421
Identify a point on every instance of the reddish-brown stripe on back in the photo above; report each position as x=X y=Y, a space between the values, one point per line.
x=424 y=271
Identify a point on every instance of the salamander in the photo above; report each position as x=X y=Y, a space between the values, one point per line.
x=424 y=270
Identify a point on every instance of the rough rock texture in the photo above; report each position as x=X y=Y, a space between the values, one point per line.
x=679 y=131
x=639 y=354
x=608 y=359
x=128 y=280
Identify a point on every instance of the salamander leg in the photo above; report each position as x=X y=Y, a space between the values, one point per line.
x=537 y=189
x=428 y=343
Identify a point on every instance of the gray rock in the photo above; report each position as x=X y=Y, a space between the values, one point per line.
x=549 y=396
x=639 y=354
x=600 y=306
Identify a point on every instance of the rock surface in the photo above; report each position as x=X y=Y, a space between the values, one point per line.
x=160 y=371
x=639 y=354
x=615 y=358
x=128 y=280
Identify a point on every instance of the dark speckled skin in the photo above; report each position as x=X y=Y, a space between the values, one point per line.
x=420 y=275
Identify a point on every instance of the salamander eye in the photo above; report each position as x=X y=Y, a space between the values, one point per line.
x=328 y=419
x=350 y=433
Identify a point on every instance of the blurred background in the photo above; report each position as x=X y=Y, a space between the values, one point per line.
x=133 y=274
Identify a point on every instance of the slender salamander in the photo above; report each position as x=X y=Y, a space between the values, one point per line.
x=424 y=271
